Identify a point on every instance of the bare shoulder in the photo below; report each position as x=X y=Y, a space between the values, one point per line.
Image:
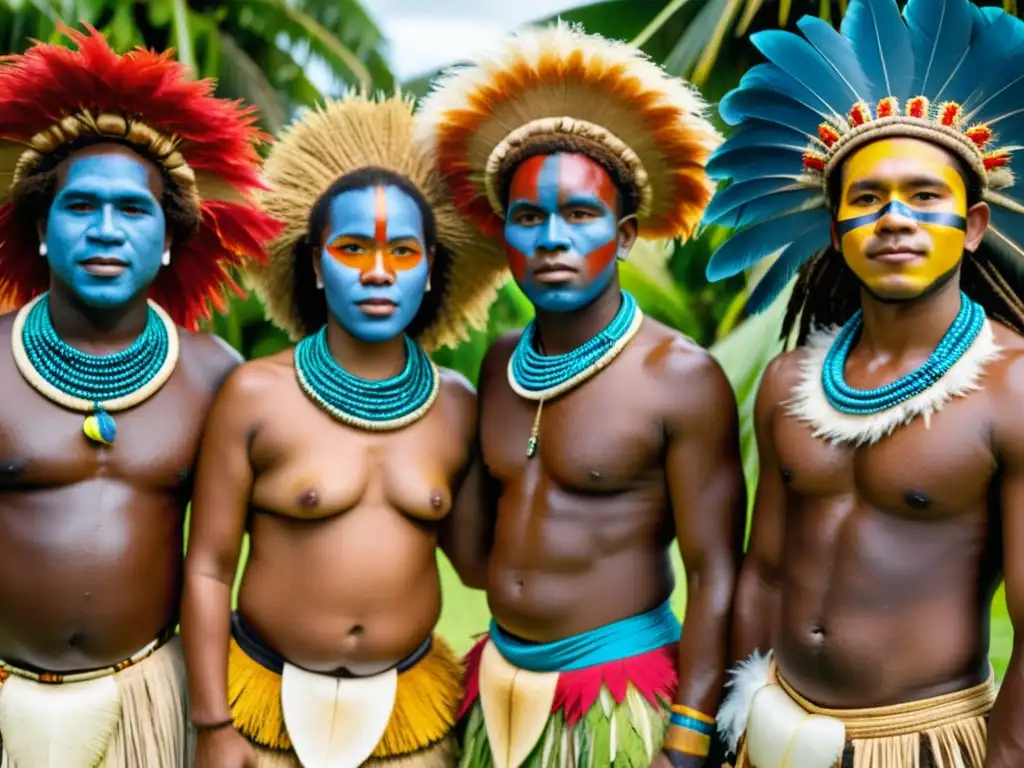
x=682 y=369
x=782 y=374
x=257 y=380
x=207 y=358
x=495 y=362
x=1004 y=382
x=458 y=398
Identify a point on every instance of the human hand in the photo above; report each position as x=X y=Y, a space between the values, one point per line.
x=224 y=748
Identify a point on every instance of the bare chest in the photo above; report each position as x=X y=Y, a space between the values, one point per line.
x=601 y=437
x=936 y=470
x=42 y=445
x=309 y=465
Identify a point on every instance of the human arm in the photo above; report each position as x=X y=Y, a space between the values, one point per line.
x=467 y=533
x=708 y=497
x=219 y=507
x=1005 y=732
x=757 y=603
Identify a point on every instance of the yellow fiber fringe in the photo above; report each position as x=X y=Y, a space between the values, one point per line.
x=426 y=704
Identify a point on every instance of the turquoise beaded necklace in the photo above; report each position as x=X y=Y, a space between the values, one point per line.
x=95 y=384
x=540 y=377
x=956 y=341
x=374 y=405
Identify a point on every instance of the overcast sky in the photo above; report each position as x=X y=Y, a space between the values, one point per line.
x=426 y=34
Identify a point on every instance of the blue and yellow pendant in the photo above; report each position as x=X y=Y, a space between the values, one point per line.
x=99 y=426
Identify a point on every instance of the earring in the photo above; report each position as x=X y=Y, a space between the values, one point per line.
x=165 y=259
x=319 y=282
x=42 y=250
x=427 y=289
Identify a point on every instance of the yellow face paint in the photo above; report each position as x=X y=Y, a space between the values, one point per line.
x=901 y=195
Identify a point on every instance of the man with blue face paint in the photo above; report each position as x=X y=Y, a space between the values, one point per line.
x=346 y=458
x=602 y=431
x=115 y=234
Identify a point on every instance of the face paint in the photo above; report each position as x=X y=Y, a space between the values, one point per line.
x=374 y=261
x=105 y=231
x=902 y=217
x=561 y=233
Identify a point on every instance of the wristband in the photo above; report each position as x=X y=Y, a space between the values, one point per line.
x=689 y=731
x=215 y=726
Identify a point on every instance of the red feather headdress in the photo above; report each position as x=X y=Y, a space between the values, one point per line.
x=51 y=96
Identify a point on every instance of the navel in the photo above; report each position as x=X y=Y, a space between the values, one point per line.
x=309 y=499
x=787 y=474
x=356 y=631
x=10 y=468
x=917 y=499
x=595 y=475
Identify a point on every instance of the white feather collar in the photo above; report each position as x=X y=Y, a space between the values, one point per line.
x=809 y=404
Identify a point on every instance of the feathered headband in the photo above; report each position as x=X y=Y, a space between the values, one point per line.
x=54 y=99
x=605 y=97
x=334 y=141
x=947 y=72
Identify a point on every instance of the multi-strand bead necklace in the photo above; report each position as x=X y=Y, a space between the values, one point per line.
x=539 y=377
x=375 y=405
x=97 y=385
x=956 y=341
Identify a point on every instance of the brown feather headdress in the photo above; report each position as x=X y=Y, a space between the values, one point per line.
x=558 y=85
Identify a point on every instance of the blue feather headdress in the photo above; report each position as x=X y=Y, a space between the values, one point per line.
x=946 y=71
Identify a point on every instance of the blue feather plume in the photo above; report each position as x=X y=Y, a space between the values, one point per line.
x=741 y=105
x=839 y=54
x=964 y=84
x=1001 y=94
x=746 y=248
x=722 y=210
x=880 y=38
x=796 y=59
x=768 y=77
x=781 y=204
x=754 y=163
x=755 y=134
x=938 y=38
x=787 y=265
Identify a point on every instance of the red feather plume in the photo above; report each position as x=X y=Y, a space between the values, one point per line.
x=218 y=137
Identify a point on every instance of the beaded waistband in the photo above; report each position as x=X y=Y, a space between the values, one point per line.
x=58 y=678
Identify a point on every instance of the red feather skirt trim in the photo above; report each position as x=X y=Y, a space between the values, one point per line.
x=653 y=674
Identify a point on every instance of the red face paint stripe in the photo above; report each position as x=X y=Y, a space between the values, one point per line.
x=380 y=230
x=526 y=179
x=600 y=258
x=578 y=173
x=516 y=262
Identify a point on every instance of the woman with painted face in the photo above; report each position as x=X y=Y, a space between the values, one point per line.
x=342 y=457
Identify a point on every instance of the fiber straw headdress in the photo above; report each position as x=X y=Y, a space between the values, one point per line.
x=54 y=100
x=584 y=93
x=333 y=141
x=945 y=71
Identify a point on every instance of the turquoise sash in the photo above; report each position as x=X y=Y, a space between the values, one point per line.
x=621 y=640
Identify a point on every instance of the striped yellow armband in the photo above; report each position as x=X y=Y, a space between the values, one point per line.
x=689 y=731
